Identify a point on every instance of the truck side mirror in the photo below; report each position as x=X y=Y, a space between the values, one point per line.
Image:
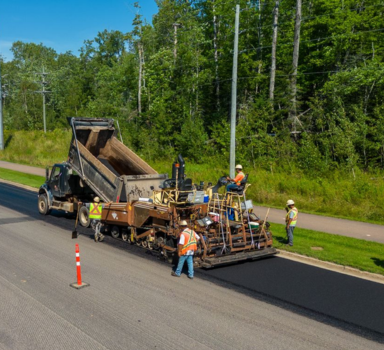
x=46 y=173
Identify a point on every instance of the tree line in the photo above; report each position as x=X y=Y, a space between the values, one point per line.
x=310 y=82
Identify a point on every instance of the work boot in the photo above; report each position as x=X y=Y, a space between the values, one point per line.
x=96 y=237
x=173 y=273
x=101 y=237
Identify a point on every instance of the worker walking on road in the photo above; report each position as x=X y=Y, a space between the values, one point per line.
x=186 y=248
x=236 y=182
x=291 y=220
x=95 y=210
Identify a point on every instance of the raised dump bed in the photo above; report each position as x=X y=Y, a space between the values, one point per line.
x=111 y=169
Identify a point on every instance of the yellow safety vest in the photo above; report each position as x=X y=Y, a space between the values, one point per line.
x=294 y=219
x=95 y=211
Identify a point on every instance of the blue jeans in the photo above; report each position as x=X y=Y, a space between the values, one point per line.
x=182 y=259
x=231 y=187
x=290 y=234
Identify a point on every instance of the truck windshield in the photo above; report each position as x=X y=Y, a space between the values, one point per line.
x=55 y=173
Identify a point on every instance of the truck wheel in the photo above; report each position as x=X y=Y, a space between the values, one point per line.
x=115 y=232
x=43 y=204
x=84 y=219
x=124 y=235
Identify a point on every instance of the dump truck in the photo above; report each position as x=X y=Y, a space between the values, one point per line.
x=98 y=164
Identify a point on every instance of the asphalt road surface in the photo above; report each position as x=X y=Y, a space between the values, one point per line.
x=134 y=303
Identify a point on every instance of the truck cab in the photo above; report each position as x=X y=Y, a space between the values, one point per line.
x=62 y=190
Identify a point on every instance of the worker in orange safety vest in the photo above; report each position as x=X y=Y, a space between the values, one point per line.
x=186 y=248
x=236 y=182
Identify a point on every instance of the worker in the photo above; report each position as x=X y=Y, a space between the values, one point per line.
x=291 y=220
x=95 y=210
x=236 y=182
x=186 y=248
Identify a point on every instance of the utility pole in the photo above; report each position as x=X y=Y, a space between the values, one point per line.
x=232 y=153
x=273 y=59
x=295 y=62
x=1 y=117
x=43 y=92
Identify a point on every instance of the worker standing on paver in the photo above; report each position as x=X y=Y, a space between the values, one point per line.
x=95 y=210
x=291 y=220
x=186 y=249
x=236 y=182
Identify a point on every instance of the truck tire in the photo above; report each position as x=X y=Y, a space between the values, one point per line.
x=42 y=204
x=124 y=235
x=84 y=219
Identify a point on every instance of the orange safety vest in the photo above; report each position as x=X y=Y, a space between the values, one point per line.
x=190 y=242
x=240 y=176
x=95 y=211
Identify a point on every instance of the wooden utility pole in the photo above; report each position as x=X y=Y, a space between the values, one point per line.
x=295 y=62
x=273 y=59
x=43 y=92
x=232 y=156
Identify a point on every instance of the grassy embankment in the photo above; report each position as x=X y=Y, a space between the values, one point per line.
x=344 y=197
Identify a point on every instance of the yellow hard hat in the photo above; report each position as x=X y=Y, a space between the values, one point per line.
x=239 y=166
x=96 y=200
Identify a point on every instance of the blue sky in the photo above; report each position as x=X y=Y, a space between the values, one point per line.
x=64 y=25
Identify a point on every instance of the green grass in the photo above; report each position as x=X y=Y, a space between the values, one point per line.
x=360 y=254
x=36 y=148
x=21 y=178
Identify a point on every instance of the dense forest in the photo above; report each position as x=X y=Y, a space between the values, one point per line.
x=309 y=87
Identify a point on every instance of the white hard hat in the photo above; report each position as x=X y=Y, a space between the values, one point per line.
x=290 y=202
x=183 y=223
x=238 y=166
x=96 y=199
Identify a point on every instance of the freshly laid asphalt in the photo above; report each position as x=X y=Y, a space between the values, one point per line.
x=345 y=302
